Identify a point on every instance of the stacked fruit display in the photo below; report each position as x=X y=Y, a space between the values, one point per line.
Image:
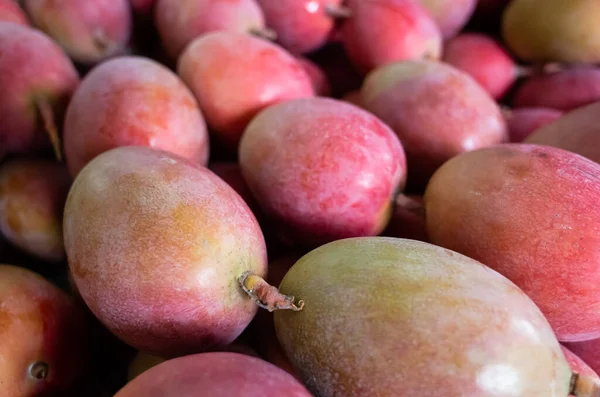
x=299 y=198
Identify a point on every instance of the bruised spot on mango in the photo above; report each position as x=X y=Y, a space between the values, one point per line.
x=519 y=170
x=24 y=217
x=23 y=317
x=13 y=218
x=77 y=269
x=6 y=320
x=13 y=182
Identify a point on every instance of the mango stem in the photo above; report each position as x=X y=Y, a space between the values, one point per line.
x=265 y=295
x=584 y=386
x=101 y=41
x=47 y=115
x=264 y=33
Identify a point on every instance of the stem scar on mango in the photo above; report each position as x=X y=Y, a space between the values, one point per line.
x=265 y=295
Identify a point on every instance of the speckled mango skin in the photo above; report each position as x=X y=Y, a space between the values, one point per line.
x=531 y=213
x=38 y=322
x=155 y=245
x=436 y=110
x=130 y=101
x=235 y=75
x=391 y=317
x=218 y=374
x=322 y=169
x=89 y=31
x=11 y=12
x=576 y=131
x=231 y=173
x=32 y=199
x=31 y=65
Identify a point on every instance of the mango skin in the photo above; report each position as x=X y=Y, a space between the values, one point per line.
x=179 y=22
x=576 y=131
x=588 y=351
x=437 y=111
x=565 y=90
x=531 y=213
x=39 y=323
x=302 y=26
x=155 y=245
x=393 y=317
x=129 y=101
x=386 y=31
x=450 y=15
x=231 y=173
x=11 y=12
x=553 y=30
x=235 y=75
x=32 y=198
x=523 y=122
x=218 y=374
x=89 y=31
x=31 y=66
x=318 y=77
x=578 y=365
x=322 y=169
x=407 y=219
x=484 y=59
